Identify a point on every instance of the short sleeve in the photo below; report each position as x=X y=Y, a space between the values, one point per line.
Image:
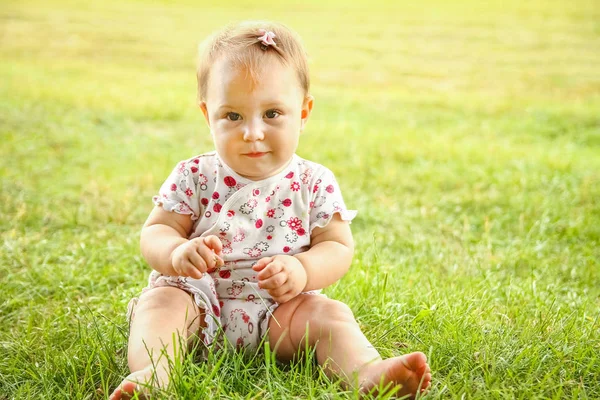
x=326 y=200
x=180 y=192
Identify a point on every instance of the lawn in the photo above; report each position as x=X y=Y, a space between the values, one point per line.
x=466 y=133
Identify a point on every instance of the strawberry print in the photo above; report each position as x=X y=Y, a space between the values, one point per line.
x=225 y=274
x=230 y=181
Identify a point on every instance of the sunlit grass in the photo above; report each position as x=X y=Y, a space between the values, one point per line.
x=467 y=134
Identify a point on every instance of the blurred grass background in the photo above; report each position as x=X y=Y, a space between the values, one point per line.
x=466 y=133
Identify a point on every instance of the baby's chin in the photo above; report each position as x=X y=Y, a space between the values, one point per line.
x=259 y=174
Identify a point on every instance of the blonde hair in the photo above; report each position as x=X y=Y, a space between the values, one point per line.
x=240 y=44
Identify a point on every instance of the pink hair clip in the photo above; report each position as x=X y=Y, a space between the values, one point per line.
x=266 y=39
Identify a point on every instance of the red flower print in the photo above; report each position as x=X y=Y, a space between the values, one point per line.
x=215 y=195
x=239 y=237
x=287 y=202
x=268 y=199
x=196 y=161
x=294 y=223
x=221 y=304
x=230 y=181
x=295 y=186
x=301 y=231
x=240 y=342
x=230 y=213
x=202 y=179
x=217 y=207
x=286 y=249
x=271 y=213
x=189 y=192
x=256 y=192
x=269 y=237
x=216 y=310
x=225 y=274
x=246 y=318
x=194 y=169
x=204 y=201
x=329 y=189
x=312 y=204
x=173 y=187
x=315 y=188
x=259 y=223
x=290 y=175
x=254 y=252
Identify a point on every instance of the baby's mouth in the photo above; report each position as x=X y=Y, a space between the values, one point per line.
x=255 y=155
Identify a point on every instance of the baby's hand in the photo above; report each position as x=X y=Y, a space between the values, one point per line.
x=196 y=256
x=282 y=276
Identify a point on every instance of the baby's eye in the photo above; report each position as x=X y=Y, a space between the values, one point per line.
x=232 y=116
x=272 y=114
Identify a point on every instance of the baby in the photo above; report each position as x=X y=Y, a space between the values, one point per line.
x=242 y=239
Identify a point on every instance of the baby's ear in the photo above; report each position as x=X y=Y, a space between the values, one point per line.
x=307 y=107
x=205 y=112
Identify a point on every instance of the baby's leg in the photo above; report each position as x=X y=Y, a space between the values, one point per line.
x=341 y=347
x=160 y=313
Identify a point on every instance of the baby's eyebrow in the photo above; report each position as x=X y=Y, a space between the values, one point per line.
x=272 y=104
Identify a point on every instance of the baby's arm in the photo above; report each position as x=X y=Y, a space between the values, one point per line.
x=165 y=246
x=330 y=254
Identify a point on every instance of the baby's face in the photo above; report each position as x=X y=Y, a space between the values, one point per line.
x=255 y=125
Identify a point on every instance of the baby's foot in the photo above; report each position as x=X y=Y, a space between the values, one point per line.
x=410 y=371
x=140 y=382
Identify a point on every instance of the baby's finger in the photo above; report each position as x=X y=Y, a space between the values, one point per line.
x=188 y=269
x=262 y=263
x=273 y=282
x=214 y=243
x=196 y=260
x=209 y=257
x=270 y=270
x=279 y=291
x=284 y=298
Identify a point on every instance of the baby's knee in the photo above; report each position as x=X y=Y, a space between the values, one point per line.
x=326 y=311
x=161 y=298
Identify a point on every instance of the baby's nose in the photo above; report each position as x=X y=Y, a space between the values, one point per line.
x=253 y=132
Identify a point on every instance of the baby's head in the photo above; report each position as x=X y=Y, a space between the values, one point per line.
x=253 y=88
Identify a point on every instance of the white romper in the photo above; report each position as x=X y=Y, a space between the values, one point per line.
x=253 y=219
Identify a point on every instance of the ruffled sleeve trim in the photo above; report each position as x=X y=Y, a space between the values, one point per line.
x=347 y=215
x=174 y=206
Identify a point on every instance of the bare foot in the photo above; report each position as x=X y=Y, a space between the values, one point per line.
x=140 y=382
x=409 y=371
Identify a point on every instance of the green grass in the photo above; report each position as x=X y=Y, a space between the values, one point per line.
x=467 y=134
